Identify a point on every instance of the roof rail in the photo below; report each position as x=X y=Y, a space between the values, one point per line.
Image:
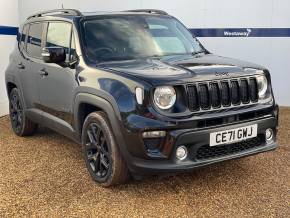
x=56 y=11
x=155 y=11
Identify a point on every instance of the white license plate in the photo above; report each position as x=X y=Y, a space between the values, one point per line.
x=233 y=135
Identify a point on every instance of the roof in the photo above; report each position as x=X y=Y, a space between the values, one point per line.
x=74 y=12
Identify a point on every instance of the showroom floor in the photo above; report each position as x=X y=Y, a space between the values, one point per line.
x=44 y=175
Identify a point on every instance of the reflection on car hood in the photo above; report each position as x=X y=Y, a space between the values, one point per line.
x=181 y=68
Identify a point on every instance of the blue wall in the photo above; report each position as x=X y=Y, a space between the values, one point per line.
x=8 y=30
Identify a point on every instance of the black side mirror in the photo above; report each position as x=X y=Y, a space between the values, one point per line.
x=53 y=54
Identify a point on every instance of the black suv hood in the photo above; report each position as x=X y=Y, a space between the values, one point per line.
x=181 y=69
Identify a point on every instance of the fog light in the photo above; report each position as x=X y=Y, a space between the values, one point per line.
x=181 y=152
x=269 y=134
x=154 y=134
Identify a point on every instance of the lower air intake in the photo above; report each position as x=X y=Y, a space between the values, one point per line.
x=206 y=152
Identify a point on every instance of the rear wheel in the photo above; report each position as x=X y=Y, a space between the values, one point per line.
x=101 y=153
x=21 y=125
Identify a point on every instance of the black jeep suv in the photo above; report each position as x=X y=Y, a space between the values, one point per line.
x=138 y=91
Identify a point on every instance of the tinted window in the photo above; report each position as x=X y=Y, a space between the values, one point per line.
x=34 y=39
x=166 y=39
x=59 y=34
x=23 y=37
x=130 y=37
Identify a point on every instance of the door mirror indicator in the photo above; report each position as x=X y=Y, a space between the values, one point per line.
x=53 y=54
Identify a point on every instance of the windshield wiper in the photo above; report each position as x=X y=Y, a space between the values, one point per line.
x=165 y=55
x=116 y=59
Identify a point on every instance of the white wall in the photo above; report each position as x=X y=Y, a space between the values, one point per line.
x=28 y=7
x=273 y=53
x=8 y=17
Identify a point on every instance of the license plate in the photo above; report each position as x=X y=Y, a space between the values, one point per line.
x=233 y=135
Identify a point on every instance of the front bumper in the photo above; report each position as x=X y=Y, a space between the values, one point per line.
x=195 y=139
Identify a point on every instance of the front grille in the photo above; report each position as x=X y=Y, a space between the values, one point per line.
x=204 y=96
x=245 y=98
x=207 y=95
x=193 y=98
x=206 y=152
x=235 y=92
x=225 y=93
x=215 y=95
x=253 y=90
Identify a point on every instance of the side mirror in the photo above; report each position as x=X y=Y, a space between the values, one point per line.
x=53 y=54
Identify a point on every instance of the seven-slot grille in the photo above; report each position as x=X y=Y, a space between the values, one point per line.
x=207 y=95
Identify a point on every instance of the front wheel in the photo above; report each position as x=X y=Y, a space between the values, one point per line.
x=101 y=153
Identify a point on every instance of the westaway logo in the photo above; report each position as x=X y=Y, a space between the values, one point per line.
x=245 y=33
x=241 y=32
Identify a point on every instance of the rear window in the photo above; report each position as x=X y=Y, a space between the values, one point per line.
x=34 y=40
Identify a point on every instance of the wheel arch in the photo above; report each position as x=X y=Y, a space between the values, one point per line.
x=86 y=103
x=10 y=86
x=113 y=114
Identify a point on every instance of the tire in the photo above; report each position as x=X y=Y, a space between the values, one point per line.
x=101 y=152
x=21 y=125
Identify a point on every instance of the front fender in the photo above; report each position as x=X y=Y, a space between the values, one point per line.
x=98 y=101
x=113 y=115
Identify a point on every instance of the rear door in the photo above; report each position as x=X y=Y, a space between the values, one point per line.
x=56 y=87
x=30 y=62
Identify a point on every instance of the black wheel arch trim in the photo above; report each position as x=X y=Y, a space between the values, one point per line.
x=10 y=78
x=113 y=113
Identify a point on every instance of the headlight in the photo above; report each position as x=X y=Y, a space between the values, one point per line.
x=164 y=97
x=262 y=86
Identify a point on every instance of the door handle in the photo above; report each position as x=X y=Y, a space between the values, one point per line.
x=43 y=72
x=20 y=66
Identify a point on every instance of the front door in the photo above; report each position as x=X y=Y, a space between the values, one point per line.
x=57 y=84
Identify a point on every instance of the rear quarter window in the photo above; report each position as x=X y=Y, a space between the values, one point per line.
x=22 y=37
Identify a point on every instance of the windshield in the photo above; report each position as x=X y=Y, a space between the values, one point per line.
x=131 y=37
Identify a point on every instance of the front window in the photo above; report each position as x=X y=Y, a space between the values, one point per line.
x=59 y=35
x=131 y=37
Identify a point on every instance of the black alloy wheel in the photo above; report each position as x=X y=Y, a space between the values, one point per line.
x=21 y=125
x=102 y=154
x=16 y=112
x=97 y=151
